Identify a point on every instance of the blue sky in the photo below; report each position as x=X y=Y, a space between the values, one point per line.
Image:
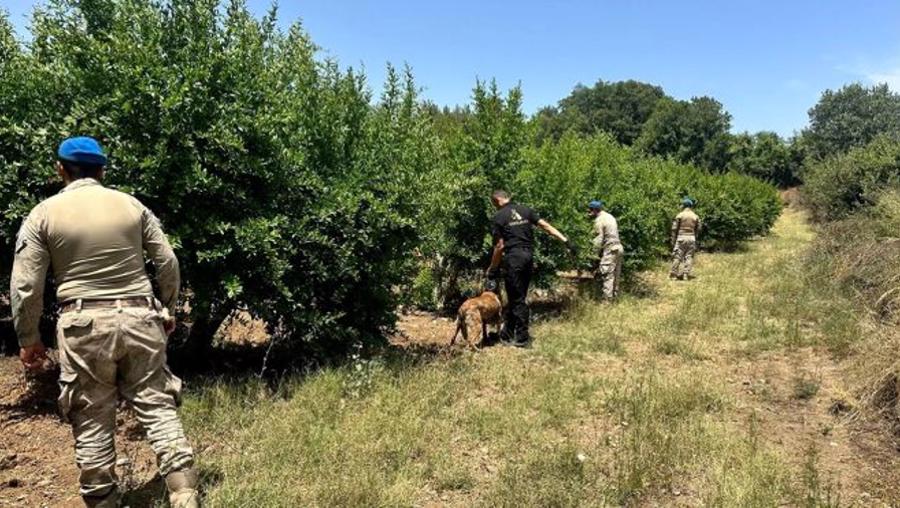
x=767 y=61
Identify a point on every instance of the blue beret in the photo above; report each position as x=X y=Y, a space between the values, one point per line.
x=596 y=204
x=83 y=150
x=686 y=201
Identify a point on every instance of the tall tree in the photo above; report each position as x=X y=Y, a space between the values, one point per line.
x=850 y=117
x=693 y=132
x=619 y=108
x=764 y=155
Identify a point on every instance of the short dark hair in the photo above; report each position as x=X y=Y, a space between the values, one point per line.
x=78 y=170
x=500 y=194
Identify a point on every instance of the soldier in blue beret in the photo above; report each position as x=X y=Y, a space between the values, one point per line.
x=685 y=230
x=112 y=330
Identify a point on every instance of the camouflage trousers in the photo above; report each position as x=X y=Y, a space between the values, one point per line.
x=683 y=256
x=609 y=271
x=110 y=352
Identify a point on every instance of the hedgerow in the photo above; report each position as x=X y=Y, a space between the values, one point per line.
x=643 y=193
x=852 y=181
x=289 y=190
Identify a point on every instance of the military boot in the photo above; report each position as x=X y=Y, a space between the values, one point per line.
x=182 y=487
x=110 y=500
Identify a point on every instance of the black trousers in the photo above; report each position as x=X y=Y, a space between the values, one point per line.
x=518 y=264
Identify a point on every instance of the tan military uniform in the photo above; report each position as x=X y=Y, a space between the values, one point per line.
x=610 y=252
x=685 y=229
x=110 y=335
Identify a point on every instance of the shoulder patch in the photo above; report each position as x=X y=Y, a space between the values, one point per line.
x=21 y=243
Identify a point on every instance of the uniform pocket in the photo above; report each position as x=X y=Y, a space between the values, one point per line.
x=68 y=384
x=173 y=385
x=75 y=324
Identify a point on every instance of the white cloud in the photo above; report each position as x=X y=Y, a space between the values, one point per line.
x=891 y=76
x=875 y=71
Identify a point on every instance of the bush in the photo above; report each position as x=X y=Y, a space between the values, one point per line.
x=841 y=185
x=858 y=259
x=643 y=193
x=283 y=190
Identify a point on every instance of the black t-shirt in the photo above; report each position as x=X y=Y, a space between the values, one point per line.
x=515 y=225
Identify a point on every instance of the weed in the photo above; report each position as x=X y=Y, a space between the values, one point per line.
x=805 y=388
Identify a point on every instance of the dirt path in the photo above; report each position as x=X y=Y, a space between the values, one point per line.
x=772 y=380
x=37 y=465
x=787 y=391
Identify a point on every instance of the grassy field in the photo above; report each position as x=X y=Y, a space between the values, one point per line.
x=718 y=392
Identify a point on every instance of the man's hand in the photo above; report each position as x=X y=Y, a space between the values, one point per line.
x=169 y=325
x=33 y=357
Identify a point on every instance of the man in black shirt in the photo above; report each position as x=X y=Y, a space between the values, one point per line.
x=513 y=231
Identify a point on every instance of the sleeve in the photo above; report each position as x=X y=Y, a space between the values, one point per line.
x=168 y=274
x=533 y=216
x=698 y=227
x=496 y=227
x=29 y=274
x=599 y=235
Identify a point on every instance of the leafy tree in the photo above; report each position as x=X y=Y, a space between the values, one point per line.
x=691 y=132
x=851 y=117
x=446 y=121
x=764 y=155
x=619 y=108
x=283 y=189
x=484 y=154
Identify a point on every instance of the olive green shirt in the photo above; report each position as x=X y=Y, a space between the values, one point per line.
x=94 y=238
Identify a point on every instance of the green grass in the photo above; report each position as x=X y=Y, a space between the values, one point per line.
x=622 y=404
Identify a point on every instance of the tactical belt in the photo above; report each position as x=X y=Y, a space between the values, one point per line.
x=139 y=301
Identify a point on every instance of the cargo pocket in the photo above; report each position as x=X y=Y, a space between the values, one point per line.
x=75 y=324
x=173 y=386
x=68 y=384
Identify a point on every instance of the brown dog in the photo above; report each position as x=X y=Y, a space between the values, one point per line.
x=475 y=314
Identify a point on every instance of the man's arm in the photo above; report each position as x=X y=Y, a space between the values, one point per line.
x=599 y=236
x=496 y=256
x=32 y=259
x=168 y=275
x=552 y=231
x=673 y=235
